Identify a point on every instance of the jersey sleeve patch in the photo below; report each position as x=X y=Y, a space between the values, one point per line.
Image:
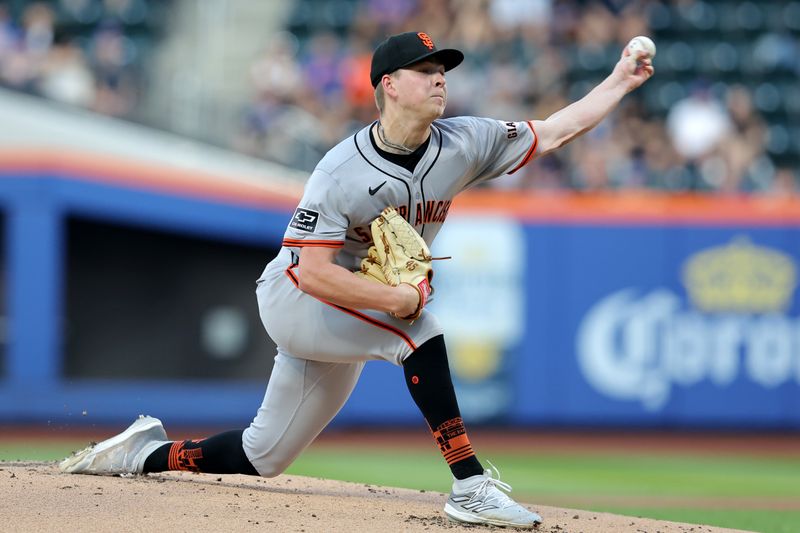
x=304 y=219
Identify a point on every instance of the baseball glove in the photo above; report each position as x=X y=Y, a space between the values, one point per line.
x=399 y=255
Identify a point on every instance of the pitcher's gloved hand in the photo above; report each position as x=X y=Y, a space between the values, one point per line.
x=399 y=255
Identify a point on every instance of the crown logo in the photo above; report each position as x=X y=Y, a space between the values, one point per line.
x=740 y=277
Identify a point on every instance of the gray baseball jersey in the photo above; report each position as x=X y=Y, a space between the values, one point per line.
x=322 y=346
x=353 y=183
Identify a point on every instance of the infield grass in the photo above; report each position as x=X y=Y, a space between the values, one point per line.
x=758 y=494
x=742 y=492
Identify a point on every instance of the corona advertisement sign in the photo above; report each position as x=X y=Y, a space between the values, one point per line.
x=667 y=325
x=733 y=323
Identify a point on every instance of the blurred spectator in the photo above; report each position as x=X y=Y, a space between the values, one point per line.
x=597 y=27
x=321 y=66
x=16 y=70
x=111 y=57
x=502 y=92
x=66 y=78
x=590 y=172
x=435 y=17
x=276 y=71
x=38 y=31
x=470 y=29
x=7 y=32
x=26 y=46
x=787 y=182
x=358 y=92
x=697 y=126
x=389 y=13
x=510 y=14
x=632 y=21
x=743 y=150
x=698 y=123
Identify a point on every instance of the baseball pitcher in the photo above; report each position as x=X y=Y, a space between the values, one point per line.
x=352 y=279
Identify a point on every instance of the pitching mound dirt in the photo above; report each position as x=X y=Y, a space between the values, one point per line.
x=37 y=497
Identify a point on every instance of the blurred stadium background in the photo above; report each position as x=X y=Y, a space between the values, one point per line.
x=645 y=277
x=151 y=153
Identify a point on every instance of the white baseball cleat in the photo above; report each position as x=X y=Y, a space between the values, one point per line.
x=122 y=454
x=479 y=500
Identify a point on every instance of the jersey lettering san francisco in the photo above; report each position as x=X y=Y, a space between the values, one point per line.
x=352 y=184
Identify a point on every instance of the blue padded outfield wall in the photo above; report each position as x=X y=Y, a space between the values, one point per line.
x=550 y=321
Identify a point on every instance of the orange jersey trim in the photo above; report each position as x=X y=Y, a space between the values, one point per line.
x=352 y=312
x=300 y=243
x=530 y=151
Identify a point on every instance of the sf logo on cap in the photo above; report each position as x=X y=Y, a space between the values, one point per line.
x=425 y=40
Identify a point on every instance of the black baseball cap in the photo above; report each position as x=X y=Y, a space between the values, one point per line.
x=405 y=49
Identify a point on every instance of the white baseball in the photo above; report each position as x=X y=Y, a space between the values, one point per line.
x=642 y=43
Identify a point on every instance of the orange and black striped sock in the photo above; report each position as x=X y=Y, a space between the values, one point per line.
x=220 y=454
x=451 y=436
x=428 y=379
x=184 y=455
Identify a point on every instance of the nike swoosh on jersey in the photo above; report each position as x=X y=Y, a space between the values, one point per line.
x=376 y=189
